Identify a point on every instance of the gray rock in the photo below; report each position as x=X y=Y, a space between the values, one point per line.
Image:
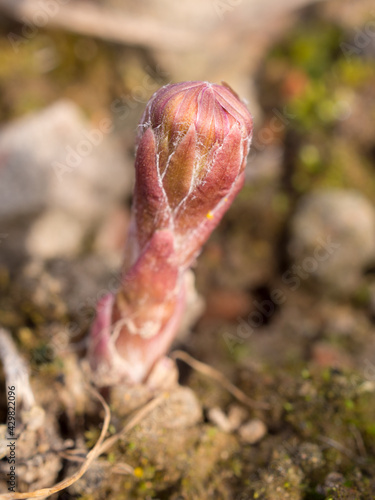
x=55 y=162
x=332 y=240
x=55 y=234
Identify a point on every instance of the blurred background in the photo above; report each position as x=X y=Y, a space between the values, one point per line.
x=289 y=276
x=74 y=80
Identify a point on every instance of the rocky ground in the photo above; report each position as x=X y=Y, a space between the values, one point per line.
x=288 y=277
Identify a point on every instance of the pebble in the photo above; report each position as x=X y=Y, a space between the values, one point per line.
x=332 y=240
x=218 y=417
x=253 y=431
x=237 y=415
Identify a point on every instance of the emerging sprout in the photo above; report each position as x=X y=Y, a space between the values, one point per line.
x=193 y=142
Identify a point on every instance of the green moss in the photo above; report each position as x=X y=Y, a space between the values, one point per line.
x=91 y=437
x=288 y=406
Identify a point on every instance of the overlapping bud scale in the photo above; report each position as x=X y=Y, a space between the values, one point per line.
x=196 y=136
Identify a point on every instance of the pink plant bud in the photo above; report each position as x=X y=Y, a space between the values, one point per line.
x=192 y=148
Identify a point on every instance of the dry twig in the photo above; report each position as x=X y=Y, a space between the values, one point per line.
x=220 y=378
x=100 y=447
x=94 y=453
x=92 y=20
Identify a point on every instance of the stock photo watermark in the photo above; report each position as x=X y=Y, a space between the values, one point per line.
x=90 y=140
x=140 y=93
x=44 y=11
x=11 y=437
x=362 y=39
x=266 y=136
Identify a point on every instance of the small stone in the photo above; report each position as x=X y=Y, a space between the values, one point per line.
x=236 y=416
x=253 y=431
x=163 y=376
x=181 y=410
x=218 y=417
